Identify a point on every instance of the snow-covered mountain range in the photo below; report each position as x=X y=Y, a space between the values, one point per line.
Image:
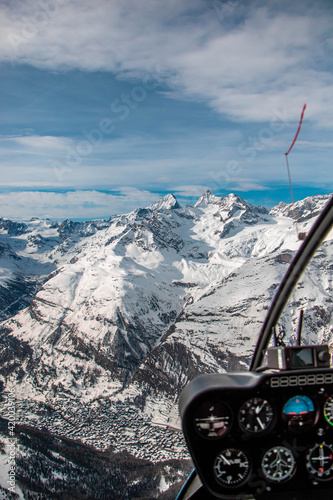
x=104 y=322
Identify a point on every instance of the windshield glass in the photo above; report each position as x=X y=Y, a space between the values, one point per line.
x=142 y=238
x=309 y=308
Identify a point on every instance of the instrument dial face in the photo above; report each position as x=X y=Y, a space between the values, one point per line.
x=319 y=461
x=213 y=419
x=232 y=467
x=328 y=410
x=299 y=413
x=278 y=464
x=255 y=415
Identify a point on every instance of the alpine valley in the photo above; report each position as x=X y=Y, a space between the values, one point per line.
x=104 y=322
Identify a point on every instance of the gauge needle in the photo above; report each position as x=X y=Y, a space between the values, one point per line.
x=322 y=458
x=259 y=408
x=260 y=423
x=226 y=460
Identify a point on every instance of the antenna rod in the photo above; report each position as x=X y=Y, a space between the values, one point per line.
x=292 y=196
x=274 y=336
x=300 y=327
x=287 y=153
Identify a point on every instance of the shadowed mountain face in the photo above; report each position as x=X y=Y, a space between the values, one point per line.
x=106 y=321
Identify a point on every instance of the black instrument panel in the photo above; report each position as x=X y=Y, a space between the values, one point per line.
x=253 y=434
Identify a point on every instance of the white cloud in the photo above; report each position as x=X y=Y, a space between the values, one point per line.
x=244 y=64
x=72 y=204
x=189 y=191
x=246 y=185
x=315 y=144
x=185 y=167
x=58 y=162
x=43 y=142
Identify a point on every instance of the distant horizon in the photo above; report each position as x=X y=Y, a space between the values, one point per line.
x=181 y=202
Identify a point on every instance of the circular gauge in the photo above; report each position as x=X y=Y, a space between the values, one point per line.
x=212 y=419
x=319 y=461
x=255 y=415
x=278 y=464
x=299 y=413
x=232 y=467
x=328 y=410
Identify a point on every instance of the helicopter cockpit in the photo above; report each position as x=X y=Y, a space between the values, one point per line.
x=266 y=433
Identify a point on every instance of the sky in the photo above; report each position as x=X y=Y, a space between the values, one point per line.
x=108 y=105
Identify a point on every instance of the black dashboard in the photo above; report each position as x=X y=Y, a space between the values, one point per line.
x=257 y=434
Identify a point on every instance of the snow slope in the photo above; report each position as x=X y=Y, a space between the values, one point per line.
x=127 y=311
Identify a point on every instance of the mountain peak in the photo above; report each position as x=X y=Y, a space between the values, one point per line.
x=233 y=199
x=304 y=209
x=208 y=199
x=168 y=202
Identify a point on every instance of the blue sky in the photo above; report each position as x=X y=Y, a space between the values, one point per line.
x=108 y=105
